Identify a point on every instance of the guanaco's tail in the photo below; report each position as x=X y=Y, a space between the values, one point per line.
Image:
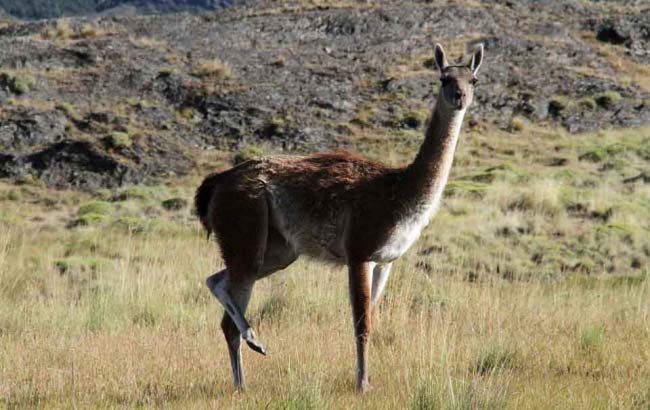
x=202 y=199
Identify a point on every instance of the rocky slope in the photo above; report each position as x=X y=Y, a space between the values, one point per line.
x=121 y=100
x=41 y=9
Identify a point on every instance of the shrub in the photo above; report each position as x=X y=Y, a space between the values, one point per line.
x=17 y=83
x=63 y=29
x=140 y=192
x=144 y=317
x=594 y=155
x=88 y=219
x=60 y=31
x=14 y=195
x=274 y=126
x=412 y=119
x=608 y=99
x=88 y=30
x=517 y=124
x=132 y=224
x=31 y=180
x=557 y=104
x=214 y=69
x=186 y=113
x=495 y=357
x=69 y=110
x=118 y=139
x=95 y=207
x=22 y=84
x=248 y=152
x=587 y=103
x=174 y=204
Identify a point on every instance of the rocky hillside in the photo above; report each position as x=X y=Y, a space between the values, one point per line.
x=41 y=9
x=117 y=100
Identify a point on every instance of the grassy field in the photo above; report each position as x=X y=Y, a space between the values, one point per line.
x=530 y=290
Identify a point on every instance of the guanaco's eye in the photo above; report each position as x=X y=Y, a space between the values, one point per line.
x=445 y=80
x=474 y=81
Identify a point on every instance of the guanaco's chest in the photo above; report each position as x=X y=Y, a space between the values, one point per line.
x=404 y=233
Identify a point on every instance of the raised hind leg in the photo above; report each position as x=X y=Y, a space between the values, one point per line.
x=241 y=297
x=241 y=227
x=234 y=296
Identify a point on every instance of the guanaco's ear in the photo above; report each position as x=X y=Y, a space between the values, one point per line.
x=441 y=60
x=477 y=58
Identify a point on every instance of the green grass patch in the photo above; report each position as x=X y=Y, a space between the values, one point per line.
x=119 y=140
x=592 y=338
x=273 y=308
x=466 y=188
x=92 y=213
x=608 y=99
x=438 y=393
x=302 y=395
x=89 y=219
x=69 y=110
x=248 y=152
x=95 y=207
x=495 y=357
x=141 y=192
x=17 y=83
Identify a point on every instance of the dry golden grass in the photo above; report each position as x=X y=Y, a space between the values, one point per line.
x=505 y=302
x=60 y=31
x=148 y=42
x=214 y=69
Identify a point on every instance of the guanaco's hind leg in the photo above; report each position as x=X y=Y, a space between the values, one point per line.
x=235 y=306
x=241 y=225
x=241 y=297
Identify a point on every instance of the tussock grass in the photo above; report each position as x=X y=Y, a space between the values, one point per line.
x=530 y=290
x=248 y=152
x=60 y=31
x=119 y=140
x=213 y=69
x=17 y=83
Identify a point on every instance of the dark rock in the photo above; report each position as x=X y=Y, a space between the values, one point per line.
x=630 y=28
x=27 y=128
x=174 y=204
x=611 y=32
x=70 y=163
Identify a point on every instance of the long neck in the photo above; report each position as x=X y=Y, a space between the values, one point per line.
x=431 y=166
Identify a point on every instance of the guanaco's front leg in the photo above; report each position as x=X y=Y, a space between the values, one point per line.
x=379 y=279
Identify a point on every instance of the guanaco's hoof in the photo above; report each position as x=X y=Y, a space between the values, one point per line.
x=363 y=388
x=257 y=346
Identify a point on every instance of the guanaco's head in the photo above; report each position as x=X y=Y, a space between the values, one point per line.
x=458 y=81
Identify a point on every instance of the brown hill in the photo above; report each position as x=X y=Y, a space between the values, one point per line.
x=105 y=102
